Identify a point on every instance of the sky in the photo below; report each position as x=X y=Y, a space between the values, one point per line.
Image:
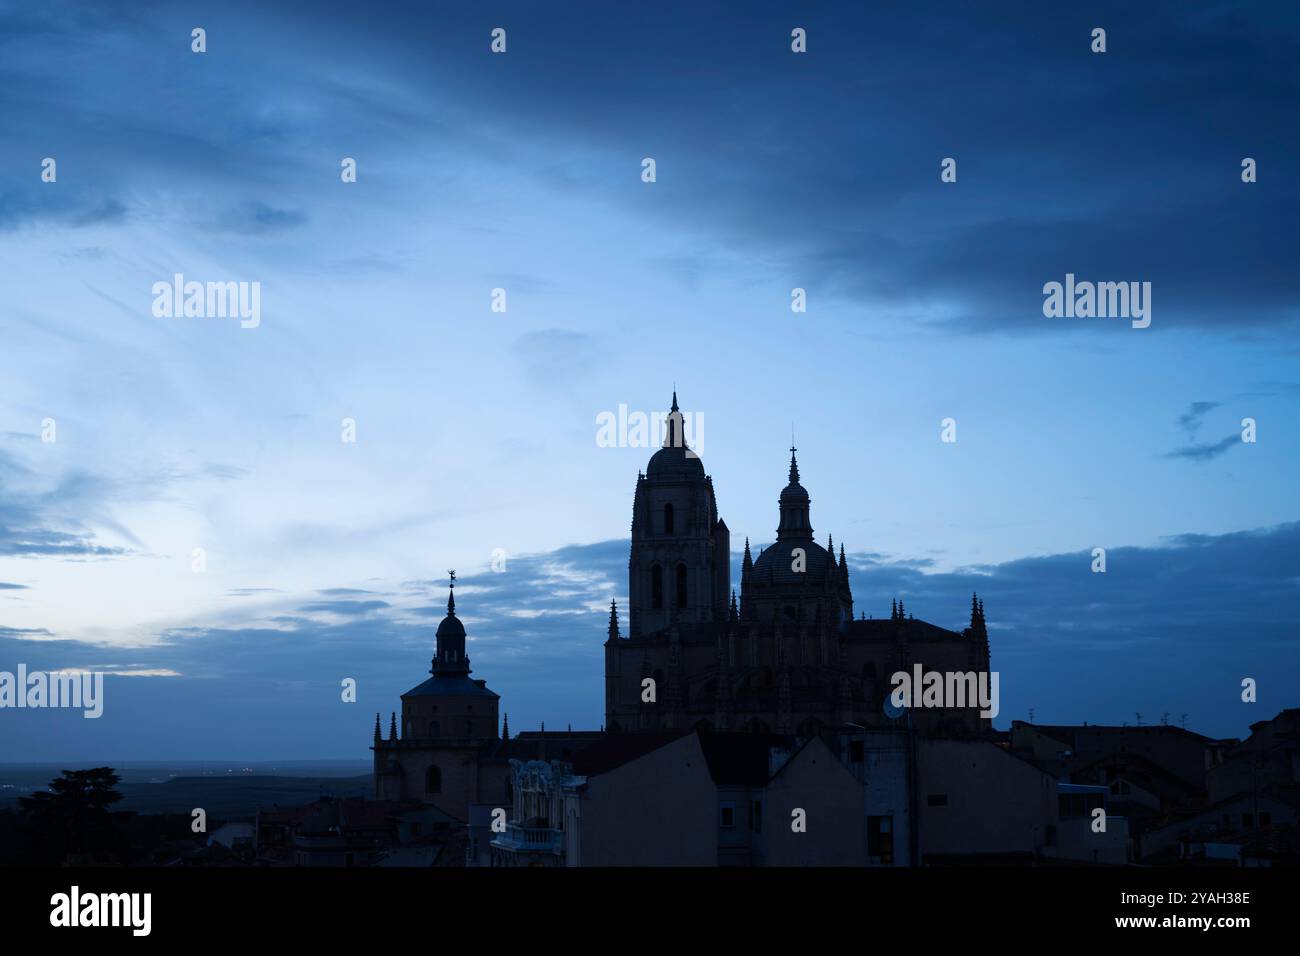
x=476 y=430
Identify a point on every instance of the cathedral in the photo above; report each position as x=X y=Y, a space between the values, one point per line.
x=788 y=657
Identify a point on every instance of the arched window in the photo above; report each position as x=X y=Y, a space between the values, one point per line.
x=433 y=780
x=656 y=586
x=668 y=519
x=681 y=585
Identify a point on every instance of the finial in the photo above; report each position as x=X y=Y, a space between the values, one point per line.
x=451 y=594
x=613 y=619
x=505 y=727
x=794 y=465
x=674 y=408
x=378 y=737
x=392 y=727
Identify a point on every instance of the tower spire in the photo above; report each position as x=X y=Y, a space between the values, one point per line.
x=613 y=620
x=451 y=593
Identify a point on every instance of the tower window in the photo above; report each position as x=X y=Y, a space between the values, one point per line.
x=656 y=586
x=668 y=519
x=681 y=585
x=433 y=780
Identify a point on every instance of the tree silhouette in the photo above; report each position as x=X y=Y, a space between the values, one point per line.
x=71 y=823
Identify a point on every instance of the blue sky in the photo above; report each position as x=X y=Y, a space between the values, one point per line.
x=476 y=429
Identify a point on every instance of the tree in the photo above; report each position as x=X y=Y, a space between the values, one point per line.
x=71 y=823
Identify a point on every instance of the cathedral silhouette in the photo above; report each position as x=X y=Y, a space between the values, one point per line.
x=786 y=658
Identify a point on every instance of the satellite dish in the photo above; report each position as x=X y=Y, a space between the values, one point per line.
x=892 y=710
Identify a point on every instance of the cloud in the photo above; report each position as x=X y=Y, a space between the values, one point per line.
x=1190 y=420
x=555 y=357
x=1205 y=452
x=1167 y=628
x=257 y=219
x=344 y=607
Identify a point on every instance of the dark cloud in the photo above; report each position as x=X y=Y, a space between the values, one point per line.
x=1172 y=628
x=1205 y=452
x=1190 y=420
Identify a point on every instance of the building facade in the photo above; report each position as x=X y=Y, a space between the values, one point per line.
x=787 y=657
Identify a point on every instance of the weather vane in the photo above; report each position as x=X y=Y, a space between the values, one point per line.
x=452 y=574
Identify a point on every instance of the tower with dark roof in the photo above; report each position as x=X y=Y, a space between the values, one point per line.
x=796 y=580
x=445 y=754
x=679 y=569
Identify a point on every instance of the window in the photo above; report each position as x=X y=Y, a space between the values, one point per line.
x=1247 y=819
x=856 y=751
x=880 y=839
x=756 y=816
x=726 y=815
x=435 y=730
x=681 y=585
x=433 y=780
x=937 y=800
x=656 y=586
x=668 y=519
x=1265 y=818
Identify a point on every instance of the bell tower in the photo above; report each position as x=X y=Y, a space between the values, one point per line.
x=680 y=565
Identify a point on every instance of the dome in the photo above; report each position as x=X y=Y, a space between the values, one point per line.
x=794 y=490
x=450 y=627
x=775 y=564
x=675 y=461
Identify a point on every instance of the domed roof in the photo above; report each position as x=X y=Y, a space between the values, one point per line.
x=776 y=563
x=450 y=627
x=675 y=461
